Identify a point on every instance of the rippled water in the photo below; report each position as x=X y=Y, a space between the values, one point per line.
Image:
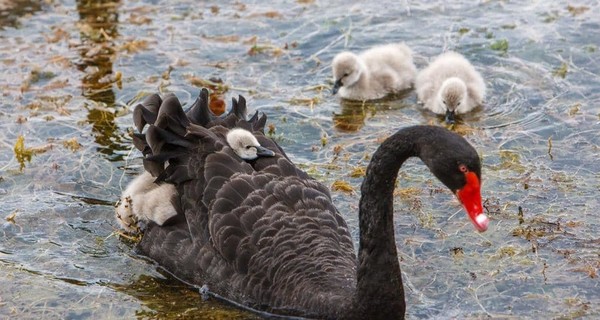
x=72 y=72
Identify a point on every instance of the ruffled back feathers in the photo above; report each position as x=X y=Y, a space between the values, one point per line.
x=261 y=232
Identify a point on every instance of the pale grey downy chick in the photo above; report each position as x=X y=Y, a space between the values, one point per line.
x=450 y=85
x=245 y=145
x=374 y=73
x=144 y=200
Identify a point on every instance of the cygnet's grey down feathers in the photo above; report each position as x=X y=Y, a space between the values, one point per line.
x=374 y=73
x=450 y=85
x=144 y=200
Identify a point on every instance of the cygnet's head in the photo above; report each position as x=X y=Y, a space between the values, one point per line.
x=347 y=69
x=245 y=145
x=453 y=93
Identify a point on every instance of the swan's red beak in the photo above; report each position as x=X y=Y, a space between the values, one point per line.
x=470 y=197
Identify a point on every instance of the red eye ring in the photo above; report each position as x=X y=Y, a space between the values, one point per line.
x=463 y=168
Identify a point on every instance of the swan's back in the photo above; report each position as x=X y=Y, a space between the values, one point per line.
x=261 y=232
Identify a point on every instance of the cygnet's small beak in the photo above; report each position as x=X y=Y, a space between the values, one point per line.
x=264 y=152
x=450 y=116
x=336 y=86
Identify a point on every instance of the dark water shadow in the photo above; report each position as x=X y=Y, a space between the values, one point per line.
x=97 y=53
x=168 y=298
x=12 y=10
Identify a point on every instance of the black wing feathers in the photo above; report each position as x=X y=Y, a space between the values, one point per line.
x=262 y=232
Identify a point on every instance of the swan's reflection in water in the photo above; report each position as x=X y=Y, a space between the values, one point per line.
x=168 y=298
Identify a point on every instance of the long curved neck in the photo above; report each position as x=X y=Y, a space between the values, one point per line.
x=380 y=293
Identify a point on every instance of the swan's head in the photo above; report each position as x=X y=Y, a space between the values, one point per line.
x=245 y=145
x=453 y=93
x=347 y=69
x=458 y=166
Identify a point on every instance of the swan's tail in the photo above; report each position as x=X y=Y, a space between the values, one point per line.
x=168 y=124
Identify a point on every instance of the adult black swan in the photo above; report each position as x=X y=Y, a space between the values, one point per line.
x=266 y=235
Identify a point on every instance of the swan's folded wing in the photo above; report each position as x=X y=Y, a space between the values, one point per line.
x=270 y=214
x=269 y=144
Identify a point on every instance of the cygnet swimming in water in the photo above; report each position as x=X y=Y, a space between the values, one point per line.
x=374 y=73
x=144 y=200
x=450 y=85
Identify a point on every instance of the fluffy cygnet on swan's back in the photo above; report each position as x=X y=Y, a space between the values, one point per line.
x=245 y=145
x=144 y=200
x=374 y=73
x=450 y=85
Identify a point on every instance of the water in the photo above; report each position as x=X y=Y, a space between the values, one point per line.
x=73 y=70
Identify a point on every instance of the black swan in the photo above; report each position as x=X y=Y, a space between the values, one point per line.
x=266 y=235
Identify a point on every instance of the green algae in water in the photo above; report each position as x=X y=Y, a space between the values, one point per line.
x=561 y=71
x=358 y=172
x=21 y=153
x=24 y=154
x=507 y=251
x=511 y=160
x=575 y=11
x=519 y=99
x=550 y=17
x=590 y=48
x=342 y=186
x=500 y=45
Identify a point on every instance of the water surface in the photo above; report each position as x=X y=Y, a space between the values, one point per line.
x=73 y=70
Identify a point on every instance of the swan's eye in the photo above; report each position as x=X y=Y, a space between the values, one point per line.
x=444 y=102
x=346 y=74
x=458 y=104
x=463 y=168
x=248 y=147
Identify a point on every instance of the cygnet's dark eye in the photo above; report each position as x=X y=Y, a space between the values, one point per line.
x=346 y=74
x=458 y=104
x=444 y=101
x=248 y=147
